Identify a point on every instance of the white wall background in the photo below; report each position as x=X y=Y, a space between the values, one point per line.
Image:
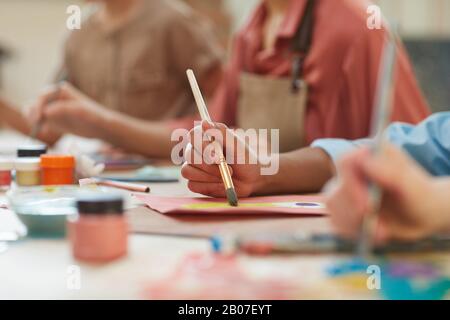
x=34 y=29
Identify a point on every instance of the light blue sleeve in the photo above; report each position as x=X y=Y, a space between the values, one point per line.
x=428 y=143
x=336 y=148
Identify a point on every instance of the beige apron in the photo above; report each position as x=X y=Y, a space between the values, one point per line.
x=269 y=103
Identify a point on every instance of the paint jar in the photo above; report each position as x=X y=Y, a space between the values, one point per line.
x=57 y=170
x=31 y=151
x=99 y=233
x=28 y=172
x=6 y=167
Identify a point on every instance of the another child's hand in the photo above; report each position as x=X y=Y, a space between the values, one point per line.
x=412 y=205
x=64 y=109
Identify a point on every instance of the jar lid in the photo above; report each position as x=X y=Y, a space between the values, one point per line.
x=27 y=164
x=57 y=161
x=6 y=164
x=31 y=151
x=100 y=204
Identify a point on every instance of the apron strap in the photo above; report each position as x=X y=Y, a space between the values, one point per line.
x=301 y=44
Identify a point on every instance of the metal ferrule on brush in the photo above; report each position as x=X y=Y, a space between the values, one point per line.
x=225 y=173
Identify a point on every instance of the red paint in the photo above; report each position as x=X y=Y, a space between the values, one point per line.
x=6 y=167
x=5 y=178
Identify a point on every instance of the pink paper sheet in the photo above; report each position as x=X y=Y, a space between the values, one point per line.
x=274 y=205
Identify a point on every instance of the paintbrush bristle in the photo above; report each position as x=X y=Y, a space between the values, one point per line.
x=232 y=197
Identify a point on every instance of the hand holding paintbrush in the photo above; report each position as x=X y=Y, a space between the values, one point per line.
x=223 y=166
x=381 y=118
x=47 y=100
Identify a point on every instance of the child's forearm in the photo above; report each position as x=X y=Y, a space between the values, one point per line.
x=305 y=170
x=12 y=117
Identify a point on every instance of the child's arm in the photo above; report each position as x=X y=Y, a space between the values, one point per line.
x=415 y=205
x=13 y=118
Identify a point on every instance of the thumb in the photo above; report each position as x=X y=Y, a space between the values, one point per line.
x=207 y=125
x=67 y=91
x=217 y=131
x=387 y=169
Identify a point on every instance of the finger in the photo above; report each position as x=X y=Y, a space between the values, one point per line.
x=194 y=174
x=209 y=189
x=382 y=234
x=234 y=148
x=353 y=183
x=206 y=125
x=206 y=144
x=218 y=132
x=36 y=110
x=49 y=91
x=197 y=139
x=346 y=196
x=188 y=153
x=389 y=230
x=386 y=170
x=194 y=157
x=55 y=111
x=50 y=134
x=65 y=90
x=343 y=215
x=210 y=169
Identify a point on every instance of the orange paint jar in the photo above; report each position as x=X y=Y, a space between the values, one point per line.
x=99 y=233
x=57 y=170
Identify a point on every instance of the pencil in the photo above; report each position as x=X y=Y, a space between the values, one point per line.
x=223 y=165
x=382 y=114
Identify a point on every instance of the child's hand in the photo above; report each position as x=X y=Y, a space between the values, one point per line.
x=201 y=167
x=64 y=109
x=413 y=204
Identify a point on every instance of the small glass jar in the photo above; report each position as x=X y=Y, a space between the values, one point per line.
x=99 y=233
x=57 y=170
x=6 y=167
x=28 y=172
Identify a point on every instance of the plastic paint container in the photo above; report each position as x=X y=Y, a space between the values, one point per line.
x=99 y=233
x=57 y=170
x=28 y=172
x=31 y=151
x=6 y=167
x=44 y=210
x=46 y=221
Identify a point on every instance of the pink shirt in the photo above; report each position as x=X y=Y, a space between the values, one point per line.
x=341 y=70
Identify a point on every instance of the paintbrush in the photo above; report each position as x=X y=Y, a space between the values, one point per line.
x=381 y=118
x=223 y=166
x=114 y=184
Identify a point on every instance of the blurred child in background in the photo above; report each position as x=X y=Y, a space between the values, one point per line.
x=130 y=57
x=295 y=66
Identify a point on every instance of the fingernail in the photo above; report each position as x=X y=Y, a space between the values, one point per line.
x=211 y=124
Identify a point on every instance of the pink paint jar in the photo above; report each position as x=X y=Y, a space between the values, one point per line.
x=6 y=167
x=99 y=233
